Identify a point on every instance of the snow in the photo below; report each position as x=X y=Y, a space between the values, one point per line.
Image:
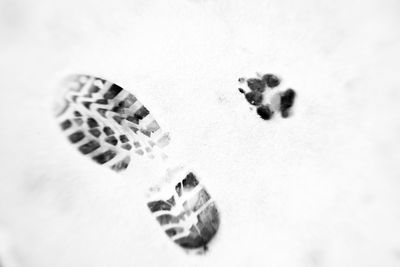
x=318 y=189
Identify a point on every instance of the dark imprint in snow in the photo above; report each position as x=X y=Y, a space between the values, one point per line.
x=265 y=98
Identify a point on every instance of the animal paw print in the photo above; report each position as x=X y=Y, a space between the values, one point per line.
x=111 y=126
x=263 y=95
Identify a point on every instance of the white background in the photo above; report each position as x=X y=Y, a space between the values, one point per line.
x=318 y=189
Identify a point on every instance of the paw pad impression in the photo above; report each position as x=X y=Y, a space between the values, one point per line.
x=262 y=92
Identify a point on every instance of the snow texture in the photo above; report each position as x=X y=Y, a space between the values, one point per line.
x=320 y=188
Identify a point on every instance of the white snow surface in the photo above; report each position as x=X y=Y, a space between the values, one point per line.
x=320 y=188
